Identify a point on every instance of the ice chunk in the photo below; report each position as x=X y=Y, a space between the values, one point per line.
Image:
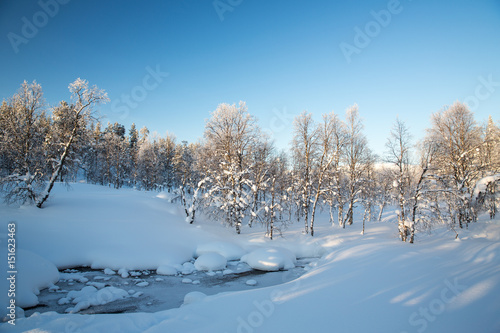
x=251 y=282
x=98 y=285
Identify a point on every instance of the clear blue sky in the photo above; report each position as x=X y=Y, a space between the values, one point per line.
x=281 y=57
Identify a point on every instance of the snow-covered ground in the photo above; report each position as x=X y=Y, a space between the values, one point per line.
x=359 y=283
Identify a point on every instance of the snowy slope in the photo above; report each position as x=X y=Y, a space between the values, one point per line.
x=362 y=283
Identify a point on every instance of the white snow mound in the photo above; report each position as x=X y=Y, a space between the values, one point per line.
x=228 y=250
x=210 y=261
x=193 y=297
x=166 y=270
x=90 y=296
x=270 y=259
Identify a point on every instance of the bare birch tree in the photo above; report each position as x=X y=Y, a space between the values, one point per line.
x=398 y=153
x=304 y=150
x=357 y=157
x=85 y=98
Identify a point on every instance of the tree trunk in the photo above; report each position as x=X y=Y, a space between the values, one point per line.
x=57 y=171
x=332 y=221
x=382 y=206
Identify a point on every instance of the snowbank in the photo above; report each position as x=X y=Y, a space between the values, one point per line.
x=229 y=250
x=270 y=259
x=34 y=273
x=106 y=229
x=434 y=285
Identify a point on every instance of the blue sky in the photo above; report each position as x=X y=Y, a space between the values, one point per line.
x=281 y=57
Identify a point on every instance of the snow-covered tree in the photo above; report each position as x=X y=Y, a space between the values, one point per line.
x=23 y=127
x=132 y=152
x=458 y=142
x=304 y=151
x=329 y=132
x=260 y=177
x=383 y=188
x=114 y=148
x=367 y=193
x=92 y=161
x=335 y=179
x=231 y=135
x=398 y=153
x=85 y=98
x=357 y=159
x=189 y=178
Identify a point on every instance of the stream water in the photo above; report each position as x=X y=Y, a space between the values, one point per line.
x=150 y=292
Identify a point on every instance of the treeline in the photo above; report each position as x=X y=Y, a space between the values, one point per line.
x=236 y=175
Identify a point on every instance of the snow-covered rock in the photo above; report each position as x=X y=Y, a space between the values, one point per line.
x=90 y=296
x=72 y=276
x=210 y=261
x=166 y=270
x=123 y=273
x=187 y=268
x=228 y=250
x=270 y=259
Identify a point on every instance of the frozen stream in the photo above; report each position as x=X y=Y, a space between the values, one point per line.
x=149 y=292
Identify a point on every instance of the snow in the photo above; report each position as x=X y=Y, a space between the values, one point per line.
x=270 y=259
x=376 y=282
x=123 y=273
x=483 y=182
x=73 y=276
x=193 y=297
x=91 y=296
x=210 y=261
x=229 y=250
x=251 y=282
x=34 y=274
x=166 y=270
x=187 y=268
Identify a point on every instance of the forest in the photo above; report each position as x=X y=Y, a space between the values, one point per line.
x=235 y=174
